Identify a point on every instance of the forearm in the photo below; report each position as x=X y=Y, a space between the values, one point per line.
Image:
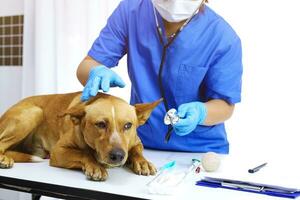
x=218 y=111
x=84 y=68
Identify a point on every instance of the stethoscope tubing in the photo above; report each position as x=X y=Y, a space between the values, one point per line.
x=163 y=58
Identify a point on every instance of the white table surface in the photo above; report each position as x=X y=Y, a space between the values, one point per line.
x=123 y=182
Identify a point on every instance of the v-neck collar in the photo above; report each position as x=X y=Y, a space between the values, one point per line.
x=164 y=34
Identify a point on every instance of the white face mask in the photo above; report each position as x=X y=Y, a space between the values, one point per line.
x=176 y=10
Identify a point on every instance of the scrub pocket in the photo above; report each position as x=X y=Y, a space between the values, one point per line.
x=188 y=82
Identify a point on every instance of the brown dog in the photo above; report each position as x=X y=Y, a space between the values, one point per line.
x=90 y=135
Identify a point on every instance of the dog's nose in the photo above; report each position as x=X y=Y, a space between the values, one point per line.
x=116 y=155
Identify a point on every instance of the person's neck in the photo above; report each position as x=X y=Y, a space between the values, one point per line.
x=172 y=27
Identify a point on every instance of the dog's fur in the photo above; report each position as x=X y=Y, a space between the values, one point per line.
x=90 y=135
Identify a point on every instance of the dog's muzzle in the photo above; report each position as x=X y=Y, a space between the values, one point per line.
x=116 y=156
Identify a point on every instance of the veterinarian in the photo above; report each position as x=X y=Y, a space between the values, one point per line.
x=177 y=49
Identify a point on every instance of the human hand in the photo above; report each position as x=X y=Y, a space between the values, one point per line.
x=191 y=115
x=100 y=78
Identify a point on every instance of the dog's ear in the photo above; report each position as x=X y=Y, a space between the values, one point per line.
x=76 y=113
x=144 y=110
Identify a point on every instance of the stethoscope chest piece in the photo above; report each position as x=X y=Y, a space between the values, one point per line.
x=171 y=117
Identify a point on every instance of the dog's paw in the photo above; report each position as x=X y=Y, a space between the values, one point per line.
x=141 y=166
x=6 y=162
x=95 y=172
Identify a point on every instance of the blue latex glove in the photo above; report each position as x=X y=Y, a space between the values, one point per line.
x=100 y=78
x=191 y=115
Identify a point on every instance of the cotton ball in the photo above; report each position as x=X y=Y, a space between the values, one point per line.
x=211 y=161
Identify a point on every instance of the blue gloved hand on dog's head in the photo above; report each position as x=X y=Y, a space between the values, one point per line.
x=100 y=78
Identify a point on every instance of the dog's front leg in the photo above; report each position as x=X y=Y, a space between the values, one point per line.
x=138 y=163
x=76 y=159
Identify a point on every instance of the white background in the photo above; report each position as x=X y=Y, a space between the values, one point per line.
x=267 y=120
x=266 y=123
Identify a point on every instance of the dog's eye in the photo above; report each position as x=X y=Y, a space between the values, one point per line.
x=127 y=126
x=101 y=125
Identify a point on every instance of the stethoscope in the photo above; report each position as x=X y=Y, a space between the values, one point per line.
x=163 y=58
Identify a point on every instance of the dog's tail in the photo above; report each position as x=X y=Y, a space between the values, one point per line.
x=22 y=157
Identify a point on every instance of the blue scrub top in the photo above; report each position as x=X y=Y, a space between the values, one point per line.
x=204 y=62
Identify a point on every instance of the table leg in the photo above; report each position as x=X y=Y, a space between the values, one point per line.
x=35 y=197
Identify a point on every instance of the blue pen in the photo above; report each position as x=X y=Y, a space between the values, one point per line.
x=255 y=169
